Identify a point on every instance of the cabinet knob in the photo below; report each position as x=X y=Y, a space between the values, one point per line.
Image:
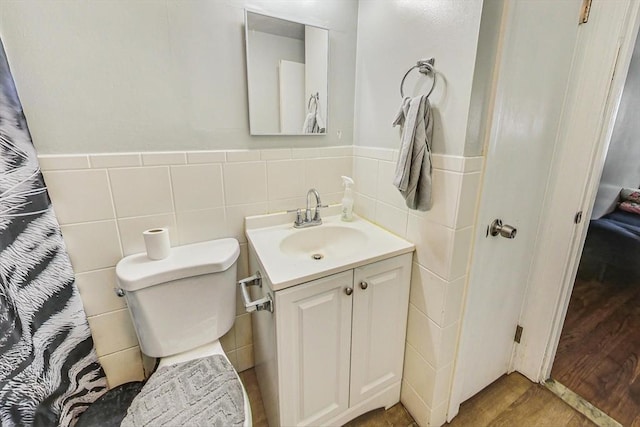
x=364 y=285
x=348 y=291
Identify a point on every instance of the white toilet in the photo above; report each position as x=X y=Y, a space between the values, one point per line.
x=181 y=306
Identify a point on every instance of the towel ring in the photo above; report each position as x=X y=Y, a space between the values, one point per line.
x=424 y=66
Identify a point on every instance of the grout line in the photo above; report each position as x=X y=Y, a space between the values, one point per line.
x=121 y=351
x=580 y=404
x=115 y=213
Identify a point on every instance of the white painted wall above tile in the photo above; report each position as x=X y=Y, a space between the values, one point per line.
x=392 y=36
x=158 y=75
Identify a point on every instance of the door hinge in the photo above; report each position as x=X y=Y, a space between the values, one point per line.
x=518 y=335
x=584 y=12
x=578 y=218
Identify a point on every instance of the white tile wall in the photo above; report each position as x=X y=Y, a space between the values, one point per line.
x=277 y=154
x=365 y=173
x=166 y=158
x=194 y=157
x=112 y=198
x=198 y=226
x=64 y=162
x=324 y=174
x=141 y=191
x=115 y=160
x=112 y=331
x=84 y=195
x=122 y=366
x=287 y=179
x=413 y=401
x=92 y=245
x=443 y=238
x=245 y=182
x=97 y=290
x=235 y=218
x=131 y=231
x=197 y=187
x=105 y=201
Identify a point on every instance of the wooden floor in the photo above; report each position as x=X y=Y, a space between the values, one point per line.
x=395 y=416
x=599 y=348
x=510 y=401
x=250 y=383
x=513 y=400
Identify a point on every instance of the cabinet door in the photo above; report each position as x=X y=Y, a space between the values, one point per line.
x=313 y=324
x=381 y=292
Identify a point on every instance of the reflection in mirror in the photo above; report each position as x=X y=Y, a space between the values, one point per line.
x=287 y=64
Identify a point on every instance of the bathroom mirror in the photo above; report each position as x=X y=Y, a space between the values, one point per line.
x=287 y=64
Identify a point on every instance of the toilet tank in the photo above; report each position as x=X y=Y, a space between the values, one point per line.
x=183 y=301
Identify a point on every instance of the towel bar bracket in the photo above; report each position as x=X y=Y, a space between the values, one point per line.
x=424 y=66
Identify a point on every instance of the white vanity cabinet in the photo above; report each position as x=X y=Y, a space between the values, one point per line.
x=339 y=344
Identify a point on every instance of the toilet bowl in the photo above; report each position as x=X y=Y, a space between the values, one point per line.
x=180 y=307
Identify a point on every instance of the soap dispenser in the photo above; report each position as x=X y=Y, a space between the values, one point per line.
x=347 y=199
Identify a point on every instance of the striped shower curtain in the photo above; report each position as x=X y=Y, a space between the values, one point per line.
x=49 y=371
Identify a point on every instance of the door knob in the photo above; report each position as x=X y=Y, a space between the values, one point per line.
x=364 y=285
x=505 y=230
x=348 y=291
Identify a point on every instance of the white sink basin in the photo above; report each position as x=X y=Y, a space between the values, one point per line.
x=290 y=256
x=327 y=240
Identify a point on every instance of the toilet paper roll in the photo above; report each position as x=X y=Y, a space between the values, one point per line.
x=157 y=243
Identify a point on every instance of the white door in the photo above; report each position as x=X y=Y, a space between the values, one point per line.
x=313 y=321
x=533 y=72
x=380 y=307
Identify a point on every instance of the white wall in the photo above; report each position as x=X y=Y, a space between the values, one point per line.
x=622 y=168
x=267 y=50
x=113 y=76
x=392 y=36
x=484 y=77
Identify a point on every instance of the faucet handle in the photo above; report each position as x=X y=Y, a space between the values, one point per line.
x=299 y=219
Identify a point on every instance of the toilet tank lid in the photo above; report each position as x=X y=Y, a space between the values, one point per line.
x=137 y=271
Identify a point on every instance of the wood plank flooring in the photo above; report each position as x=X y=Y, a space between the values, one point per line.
x=396 y=416
x=510 y=401
x=250 y=383
x=513 y=400
x=599 y=348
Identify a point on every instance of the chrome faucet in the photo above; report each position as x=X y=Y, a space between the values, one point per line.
x=307 y=220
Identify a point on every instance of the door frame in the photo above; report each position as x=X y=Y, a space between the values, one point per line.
x=560 y=244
